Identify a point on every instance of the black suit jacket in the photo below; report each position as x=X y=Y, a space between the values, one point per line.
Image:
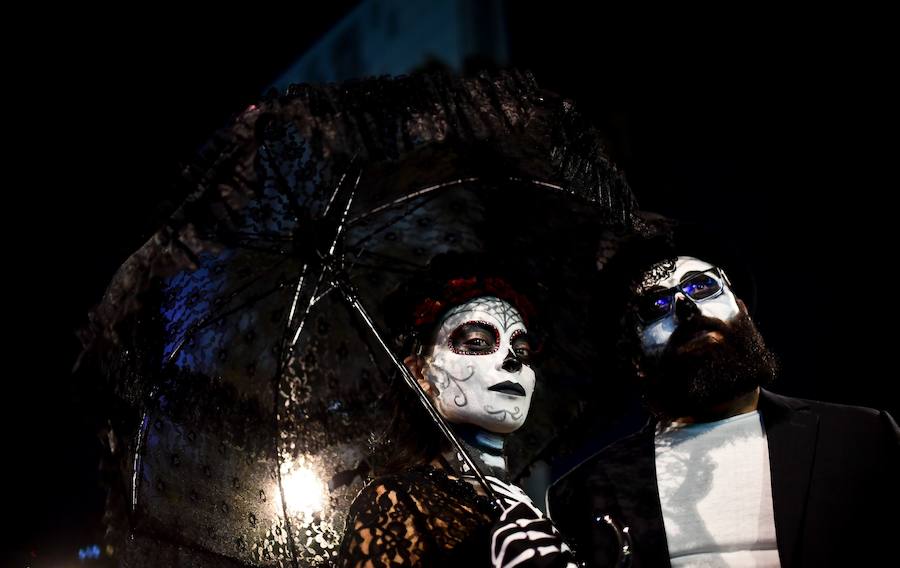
x=835 y=476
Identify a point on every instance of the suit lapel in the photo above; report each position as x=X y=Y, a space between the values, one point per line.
x=634 y=480
x=791 y=433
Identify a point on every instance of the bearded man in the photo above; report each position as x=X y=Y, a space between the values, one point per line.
x=727 y=473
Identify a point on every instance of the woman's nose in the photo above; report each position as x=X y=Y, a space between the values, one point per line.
x=511 y=363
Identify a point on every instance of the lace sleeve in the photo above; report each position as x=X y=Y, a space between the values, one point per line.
x=384 y=528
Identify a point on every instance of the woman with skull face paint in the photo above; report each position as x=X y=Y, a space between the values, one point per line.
x=469 y=348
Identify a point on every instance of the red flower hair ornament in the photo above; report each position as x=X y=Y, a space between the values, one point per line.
x=461 y=290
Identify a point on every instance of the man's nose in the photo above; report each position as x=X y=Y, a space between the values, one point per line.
x=685 y=308
x=511 y=363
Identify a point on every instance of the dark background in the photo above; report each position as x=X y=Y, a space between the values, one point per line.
x=772 y=129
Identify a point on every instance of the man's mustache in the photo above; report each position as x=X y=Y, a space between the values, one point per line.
x=694 y=326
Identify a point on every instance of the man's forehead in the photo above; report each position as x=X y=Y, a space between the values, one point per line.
x=485 y=307
x=683 y=265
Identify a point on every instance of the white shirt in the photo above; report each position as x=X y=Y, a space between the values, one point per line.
x=715 y=489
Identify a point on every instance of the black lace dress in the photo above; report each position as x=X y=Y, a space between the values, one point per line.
x=419 y=517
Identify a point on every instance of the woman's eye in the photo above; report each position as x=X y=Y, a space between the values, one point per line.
x=474 y=338
x=522 y=348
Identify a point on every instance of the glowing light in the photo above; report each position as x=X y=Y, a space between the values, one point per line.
x=91 y=552
x=304 y=492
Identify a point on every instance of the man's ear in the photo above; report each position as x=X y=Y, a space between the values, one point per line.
x=742 y=306
x=416 y=365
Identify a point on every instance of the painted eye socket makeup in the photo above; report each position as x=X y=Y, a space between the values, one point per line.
x=520 y=343
x=474 y=338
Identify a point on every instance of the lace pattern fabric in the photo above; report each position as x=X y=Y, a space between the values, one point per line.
x=420 y=517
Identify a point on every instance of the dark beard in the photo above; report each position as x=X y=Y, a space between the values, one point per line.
x=690 y=377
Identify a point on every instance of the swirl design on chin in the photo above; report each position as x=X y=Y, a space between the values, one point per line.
x=444 y=378
x=501 y=414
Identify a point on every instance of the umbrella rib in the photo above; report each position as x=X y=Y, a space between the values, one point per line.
x=214 y=317
x=390 y=223
x=380 y=268
x=337 y=188
x=387 y=258
x=313 y=296
x=245 y=245
x=333 y=194
x=138 y=459
x=343 y=221
x=322 y=295
x=251 y=234
x=276 y=252
x=297 y=294
x=312 y=302
x=425 y=191
x=211 y=320
x=308 y=308
x=411 y=196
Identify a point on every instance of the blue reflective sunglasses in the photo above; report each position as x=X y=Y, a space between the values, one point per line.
x=705 y=285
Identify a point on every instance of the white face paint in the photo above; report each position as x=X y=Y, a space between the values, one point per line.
x=479 y=345
x=655 y=335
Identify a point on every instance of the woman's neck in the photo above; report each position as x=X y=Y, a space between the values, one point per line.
x=484 y=447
